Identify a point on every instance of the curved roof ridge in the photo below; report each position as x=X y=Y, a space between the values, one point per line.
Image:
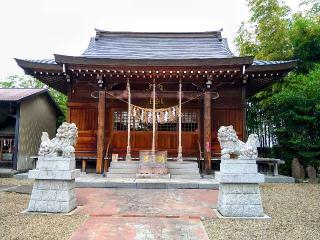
x=159 y=34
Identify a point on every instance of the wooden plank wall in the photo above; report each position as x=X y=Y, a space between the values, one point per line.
x=228 y=109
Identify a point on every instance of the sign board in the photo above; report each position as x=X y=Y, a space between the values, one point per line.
x=150 y=164
x=114 y=158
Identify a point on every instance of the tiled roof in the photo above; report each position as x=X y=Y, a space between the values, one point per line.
x=45 y=61
x=18 y=94
x=262 y=62
x=128 y=45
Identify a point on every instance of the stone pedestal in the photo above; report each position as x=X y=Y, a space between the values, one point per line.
x=239 y=193
x=152 y=164
x=54 y=187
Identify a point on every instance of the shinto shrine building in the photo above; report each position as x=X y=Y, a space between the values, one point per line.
x=151 y=78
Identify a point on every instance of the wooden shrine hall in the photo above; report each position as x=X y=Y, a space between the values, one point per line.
x=132 y=91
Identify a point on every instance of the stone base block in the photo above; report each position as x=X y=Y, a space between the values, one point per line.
x=52 y=206
x=239 y=178
x=53 y=196
x=54 y=174
x=62 y=164
x=242 y=168
x=240 y=200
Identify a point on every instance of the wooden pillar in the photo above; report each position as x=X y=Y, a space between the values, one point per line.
x=1 y=149
x=154 y=122
x=179 y=158
x=128 y=156
x=101 y=131
x=244 y=114
x=207 y=132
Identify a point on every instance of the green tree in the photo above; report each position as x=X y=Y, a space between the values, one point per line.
x=288 y=111
x=313 y=8
x=295 y=114
x=17 y=81
x=265 y=34
x=305 y=39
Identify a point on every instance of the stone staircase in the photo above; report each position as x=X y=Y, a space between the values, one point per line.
x=177 y=170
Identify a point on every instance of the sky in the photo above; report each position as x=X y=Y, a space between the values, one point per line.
x=36 y=29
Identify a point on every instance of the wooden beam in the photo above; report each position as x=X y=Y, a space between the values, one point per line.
x=101 y=131
x=142 y=94
x=207 y=132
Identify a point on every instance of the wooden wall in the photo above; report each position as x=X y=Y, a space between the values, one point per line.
x=228 y=109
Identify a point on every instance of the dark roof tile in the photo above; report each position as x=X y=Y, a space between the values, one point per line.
x=18 y=94
x=126 y=45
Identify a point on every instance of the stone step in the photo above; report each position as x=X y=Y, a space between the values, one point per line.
x=184 y=171
x=182 y=165
x=186 y=176
x=119 y=175
x=124 y=164
x=122 y=170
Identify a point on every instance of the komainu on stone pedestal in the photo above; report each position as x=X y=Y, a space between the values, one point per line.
x=239 y=193
x=231 y=144
x=55 y=173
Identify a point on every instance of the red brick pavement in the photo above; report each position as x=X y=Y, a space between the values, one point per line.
x=144 y=228
x=144 y=213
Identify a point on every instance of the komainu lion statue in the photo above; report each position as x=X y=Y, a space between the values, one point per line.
x=62 y=144
x=230 y=144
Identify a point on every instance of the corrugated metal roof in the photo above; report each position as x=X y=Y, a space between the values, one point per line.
x=18 y=94
x=126 y=45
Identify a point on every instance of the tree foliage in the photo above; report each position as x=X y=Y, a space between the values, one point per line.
x=17 y=81
x=286 y=116
x=305 y=39
x=265 y=34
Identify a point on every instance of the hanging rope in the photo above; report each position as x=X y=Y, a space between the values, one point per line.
x=145 y=115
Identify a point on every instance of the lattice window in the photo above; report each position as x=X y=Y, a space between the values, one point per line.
x=120 y=122
x=189 y=123
x=167 y=127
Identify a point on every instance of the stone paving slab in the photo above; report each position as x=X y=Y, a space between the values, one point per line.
x=96 y=181
x=140 y=228
x=4 y=188
x=196 y=203
x=24 y=189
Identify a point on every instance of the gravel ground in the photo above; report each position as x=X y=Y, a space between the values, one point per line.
x=294 y=209
x=295 y=213
x=13 y=181
x=14 y=225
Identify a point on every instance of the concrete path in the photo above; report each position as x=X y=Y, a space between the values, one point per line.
x=144 y=214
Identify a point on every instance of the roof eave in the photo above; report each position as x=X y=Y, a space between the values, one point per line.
x=63 y=59
x=25 y=64
x=272 y=67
